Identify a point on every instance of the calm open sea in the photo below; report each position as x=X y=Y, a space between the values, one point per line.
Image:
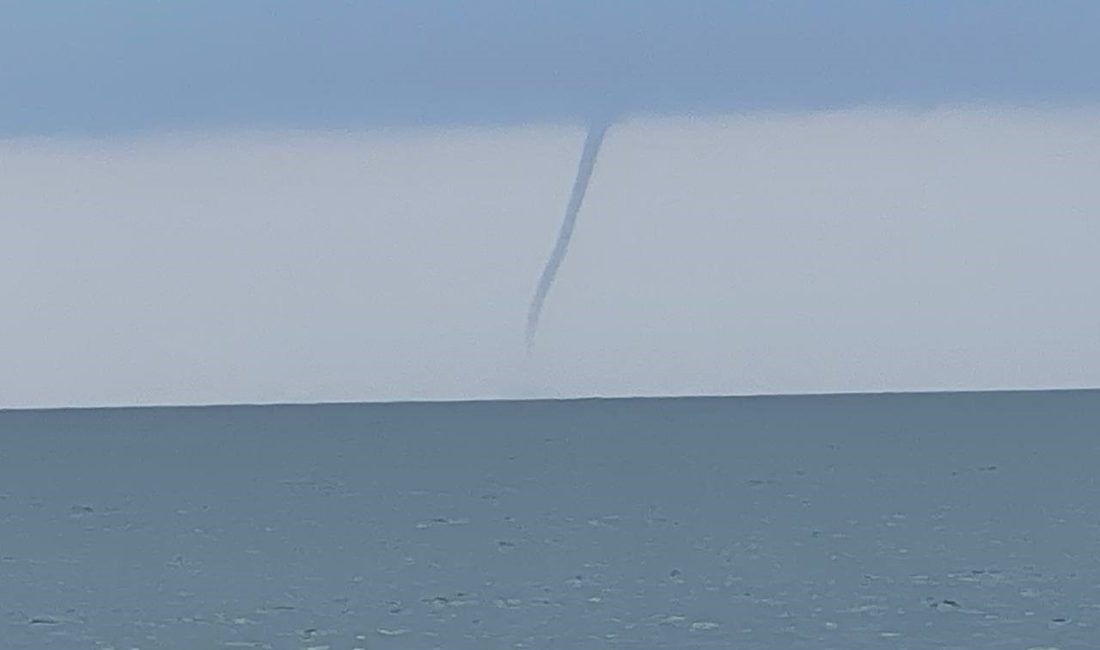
x=967 y=520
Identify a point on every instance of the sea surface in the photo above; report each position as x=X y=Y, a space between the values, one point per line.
x=965 y=520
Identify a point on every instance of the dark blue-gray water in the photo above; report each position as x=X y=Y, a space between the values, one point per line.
x=888 y=521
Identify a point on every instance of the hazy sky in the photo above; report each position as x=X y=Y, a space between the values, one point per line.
x=853 y=251
x=211 y=202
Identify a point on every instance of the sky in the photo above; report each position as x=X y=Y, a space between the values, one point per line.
x=76 y=68
x=210 y=203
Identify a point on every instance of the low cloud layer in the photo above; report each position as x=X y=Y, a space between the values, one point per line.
x=851 y=251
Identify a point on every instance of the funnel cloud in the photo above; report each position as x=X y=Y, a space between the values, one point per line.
x=596 y=132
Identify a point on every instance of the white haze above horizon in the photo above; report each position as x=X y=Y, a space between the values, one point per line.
x=859 y=250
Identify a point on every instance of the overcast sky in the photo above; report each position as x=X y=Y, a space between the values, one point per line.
x=254 y=204
x=105 y=67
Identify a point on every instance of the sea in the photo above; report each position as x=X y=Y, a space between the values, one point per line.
x=936 y=520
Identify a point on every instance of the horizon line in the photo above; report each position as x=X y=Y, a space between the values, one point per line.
x=557 y=400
